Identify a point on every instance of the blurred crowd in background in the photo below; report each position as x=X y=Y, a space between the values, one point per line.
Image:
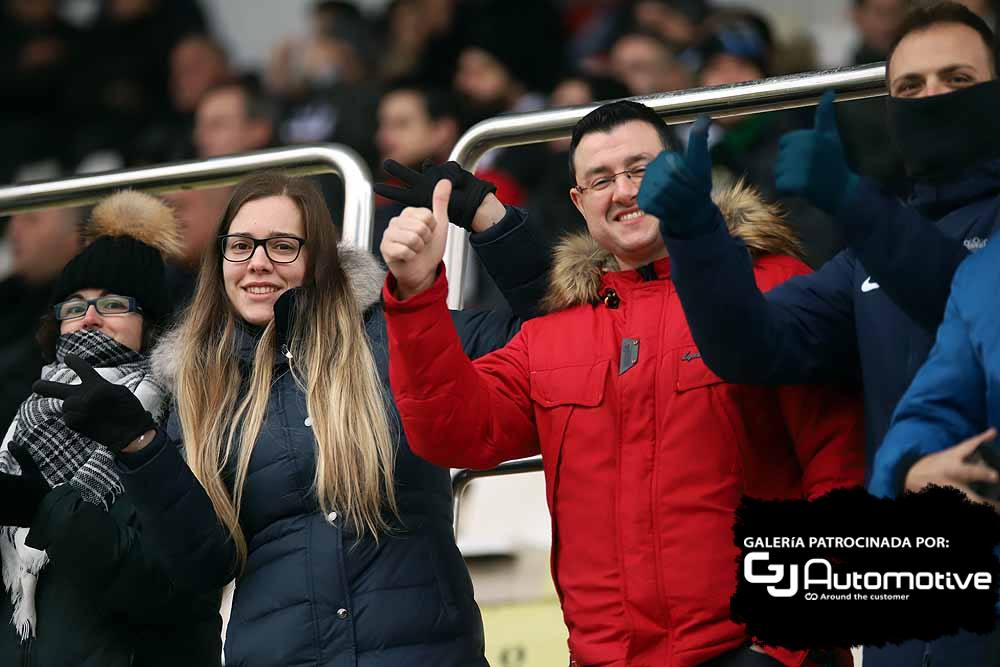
x=138 y=82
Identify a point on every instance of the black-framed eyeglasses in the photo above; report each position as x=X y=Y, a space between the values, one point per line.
x=602 y=183
x=279 y=249
x=109 y=304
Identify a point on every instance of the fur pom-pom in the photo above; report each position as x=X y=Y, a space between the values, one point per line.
x=142 y=216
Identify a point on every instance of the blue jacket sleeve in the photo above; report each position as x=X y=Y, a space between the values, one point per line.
x=801 y=331
x=905 y=253
x=945 y=404
x=178 y=520
x=516 y=260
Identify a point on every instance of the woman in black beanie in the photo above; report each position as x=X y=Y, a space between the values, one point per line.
x=82 y=587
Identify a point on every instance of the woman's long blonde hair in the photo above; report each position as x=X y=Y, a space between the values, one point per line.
x=331 y=360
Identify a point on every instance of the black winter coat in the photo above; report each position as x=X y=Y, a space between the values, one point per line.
x=103 y=600
x=312 y=592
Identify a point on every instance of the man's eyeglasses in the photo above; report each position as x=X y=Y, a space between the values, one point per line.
x=602 y=183
x=109 y=304
x=279 y=249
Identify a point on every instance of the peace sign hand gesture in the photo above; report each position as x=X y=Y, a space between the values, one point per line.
x=100 y=410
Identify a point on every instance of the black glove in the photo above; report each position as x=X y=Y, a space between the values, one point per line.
x=100 y=410
x=20 y=495
x=467 y=192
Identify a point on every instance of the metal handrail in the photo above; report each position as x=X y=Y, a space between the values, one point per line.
x=461 y=479
x=217 y=171
x=773 y=94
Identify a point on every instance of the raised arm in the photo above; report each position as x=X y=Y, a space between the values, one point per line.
x=455 y=413
x=802 y=331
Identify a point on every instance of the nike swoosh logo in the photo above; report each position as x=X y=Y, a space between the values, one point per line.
x=868 y=285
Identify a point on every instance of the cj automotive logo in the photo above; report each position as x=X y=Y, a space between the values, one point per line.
x=820 y=582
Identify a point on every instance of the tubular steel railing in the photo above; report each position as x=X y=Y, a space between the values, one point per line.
x=776 y=93
x=218 y=171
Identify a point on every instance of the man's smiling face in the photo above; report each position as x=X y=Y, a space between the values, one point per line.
x=612 y=214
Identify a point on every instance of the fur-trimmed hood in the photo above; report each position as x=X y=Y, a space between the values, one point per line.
x=364 y=274
x=578 y=262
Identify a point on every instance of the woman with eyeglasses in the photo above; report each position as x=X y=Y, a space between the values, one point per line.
x=298 y=479
x=83 y=584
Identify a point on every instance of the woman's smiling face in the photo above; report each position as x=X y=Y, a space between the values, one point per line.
x=253 y=286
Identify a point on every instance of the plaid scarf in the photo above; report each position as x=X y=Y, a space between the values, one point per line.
x=64 y=456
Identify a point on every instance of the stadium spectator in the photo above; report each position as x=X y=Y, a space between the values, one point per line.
x=639 y=455
x=553 y=213
x=233 y=117
x=341 y=541
x=679 y=22
x=947 y=411
x=871 y=312
x=198 y=63
x=38 y=51
x=863 y=122
x=740 y=48
x=877 y=22
x=83 y=585
x=323 y=82
x=420 y=41
x=416 y=124
x=646 y=65
x=122 y=85
x=291 y=56
x=41 y=243
x=497 y=74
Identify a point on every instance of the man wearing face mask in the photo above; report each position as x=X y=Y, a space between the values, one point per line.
x=872 y=310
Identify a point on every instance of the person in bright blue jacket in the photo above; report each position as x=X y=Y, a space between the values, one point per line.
x=953 y=404
x=870 y=313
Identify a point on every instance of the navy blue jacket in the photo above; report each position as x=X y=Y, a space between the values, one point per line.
x=871 y=310
x=312 y=592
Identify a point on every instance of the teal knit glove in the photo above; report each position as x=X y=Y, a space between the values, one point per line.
x=677 y=189
x=811 y=163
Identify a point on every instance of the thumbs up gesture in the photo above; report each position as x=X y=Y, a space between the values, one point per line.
x=105 y=412
x=413 y=244
x=677 y=188
x=811 y=163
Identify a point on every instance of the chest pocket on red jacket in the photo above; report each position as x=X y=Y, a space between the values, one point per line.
x=692 y=372
x=570 y=385
x=557 y=393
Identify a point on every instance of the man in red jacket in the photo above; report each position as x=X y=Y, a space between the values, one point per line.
x=646 y=451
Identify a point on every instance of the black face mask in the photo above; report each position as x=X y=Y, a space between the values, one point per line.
x=942 y=135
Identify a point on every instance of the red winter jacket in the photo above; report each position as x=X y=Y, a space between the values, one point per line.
x=644 y=467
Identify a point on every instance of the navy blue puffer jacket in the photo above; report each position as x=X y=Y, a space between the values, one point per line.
x=312 y=593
